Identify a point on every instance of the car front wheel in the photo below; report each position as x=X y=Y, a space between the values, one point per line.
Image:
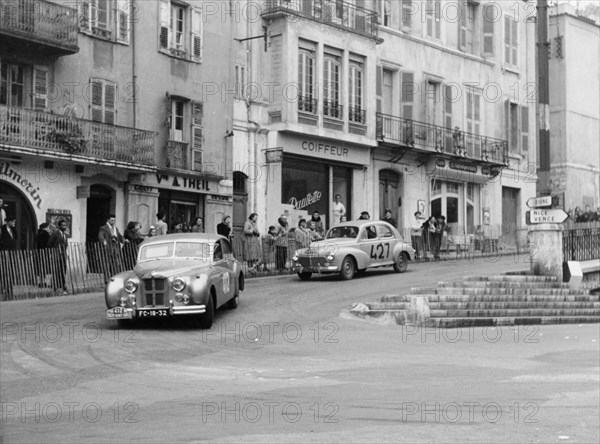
x=305 y=275
x=205 y=320
x=348 y=268
x=401 y=263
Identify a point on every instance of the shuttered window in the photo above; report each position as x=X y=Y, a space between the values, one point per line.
x=107 y=19
x=489 y=20
x=123 y=20
x=511 y=44
x=433 y=14
x=40 y=87
x=524 y=128
x=103 y=101
x=197 y=134
x=197 y=35
x=408 y=94
x=180 y=30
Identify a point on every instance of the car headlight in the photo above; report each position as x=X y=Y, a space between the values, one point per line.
x=295 y=257
x=131 y=286
x=330 y=258
x=178 y=284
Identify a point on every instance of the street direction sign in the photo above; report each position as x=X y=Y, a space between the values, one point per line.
x=554 y=216
x=543 y=201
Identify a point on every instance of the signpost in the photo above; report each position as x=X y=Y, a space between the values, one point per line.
x=536 y=202
x=553 y=216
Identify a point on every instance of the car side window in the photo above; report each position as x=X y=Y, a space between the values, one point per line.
x=369 y=233
x=225 y=247
x=384 y=232
x=218 y=253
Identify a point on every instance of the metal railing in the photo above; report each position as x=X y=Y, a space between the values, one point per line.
x=333 y=109
x=178 y=155
x=429 y=137
x=41 y=20
x=357 y=114
x=40 y=131
x=581 y=244
x=307 y=104
x=332 y=12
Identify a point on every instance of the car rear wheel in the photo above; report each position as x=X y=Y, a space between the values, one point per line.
x=348 y=268
x=401 y=263
x=205 y=320
x=305 y=275
x=233 y=303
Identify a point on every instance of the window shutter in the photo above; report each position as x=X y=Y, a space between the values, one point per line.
x=513 y=42
x=109 y=103
x=97 y=100
x=378 y=88
x=476 y=112
x=430 y=18
x=507 y=119
x=169 y=121
x=448 y=106
x=85 y=15
x=165 y=24
x=462 y=29
x=406 y=13
x=40 y=87
x=123 y=14
x=488 y=30
x=507 y=40
x=197 y=35
x=197 y=134
x=407 y=95
x=438 y=19
x=469 y=111
x=102 y=14
x=524 y=128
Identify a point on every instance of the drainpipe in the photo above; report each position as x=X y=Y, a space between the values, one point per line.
x=133 y=73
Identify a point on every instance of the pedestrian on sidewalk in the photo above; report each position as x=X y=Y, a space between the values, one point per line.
x=416 y=232
x=130 y=249
x=281 y=242
x=438 y=236
x=8 y=243
x=59 y=242
x=429 y=228
x=302 y=235
x=389 y=219
x=269 y=247
x=161 y=226
x=42 y=238
x=111 y=240
x=198 y=226
x=252 y=240
x=316 y=218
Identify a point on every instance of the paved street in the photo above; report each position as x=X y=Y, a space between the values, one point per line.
x=285 y=367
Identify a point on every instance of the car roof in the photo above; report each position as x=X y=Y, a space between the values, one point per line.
x=360 y=223
x=200 y=237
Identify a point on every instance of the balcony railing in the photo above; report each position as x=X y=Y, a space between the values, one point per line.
x=37 y=132
x=428 y=137
x=52 y=26
x=178 y=155
x=307 y=104
x=357 y=114
x=333 y=12
x=333 y=109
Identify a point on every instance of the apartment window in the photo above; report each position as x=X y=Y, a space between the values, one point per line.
x=385 y=13
x=408 y=94
x=511 y=43
x=355 y=84
x=180 y=30
x=388 y=91
x=331 y=86
x=407 y=12
x=467 y=27
x=473 y=110
x=240 y=81
x=105 y=18
x=11 y=85
x=306 y=72
x=489 y=20
x=517 y=127
x=103 y=101
x=40 y=87
x=433 y=14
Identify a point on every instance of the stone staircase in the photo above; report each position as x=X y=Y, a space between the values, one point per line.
x=488 y=301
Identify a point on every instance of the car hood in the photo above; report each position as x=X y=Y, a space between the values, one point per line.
x=329 y=246
x=169 y=267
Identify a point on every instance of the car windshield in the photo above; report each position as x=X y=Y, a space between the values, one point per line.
x=342 y=232
x=179 y=249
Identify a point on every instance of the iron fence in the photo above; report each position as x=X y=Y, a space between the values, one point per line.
x=581 y=244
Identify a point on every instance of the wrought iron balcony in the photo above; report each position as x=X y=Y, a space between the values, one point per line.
x=36 y=132
x=332 y=12
x=178 y=155
x=307 y=104
x=48 y=27
x=333 y=109
x=427 y=137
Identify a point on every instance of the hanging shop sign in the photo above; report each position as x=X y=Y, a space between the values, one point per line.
x=304 y=202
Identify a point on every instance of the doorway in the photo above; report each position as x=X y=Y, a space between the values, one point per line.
x=510 y=222
x=16 y=205
x=240 y=201
x=100 y=204
x=390 y=194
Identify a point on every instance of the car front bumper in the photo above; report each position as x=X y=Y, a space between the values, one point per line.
x=316 y=268
x=149 y=312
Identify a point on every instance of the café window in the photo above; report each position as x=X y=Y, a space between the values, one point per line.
x=305 y=185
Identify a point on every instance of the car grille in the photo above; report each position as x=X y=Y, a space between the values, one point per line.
x=310 y=262
x=154 y=291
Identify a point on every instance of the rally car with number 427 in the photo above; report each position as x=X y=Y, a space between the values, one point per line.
x=352 y=247
x=177 y=274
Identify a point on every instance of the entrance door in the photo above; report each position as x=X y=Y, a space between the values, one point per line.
x=240 y=201
x=16 y=205
x=98 y=209
x=390 y=194
x=510 y=221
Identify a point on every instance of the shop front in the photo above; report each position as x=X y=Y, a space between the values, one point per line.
x=323 y=176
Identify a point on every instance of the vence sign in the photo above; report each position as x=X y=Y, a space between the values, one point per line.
x=555 y=216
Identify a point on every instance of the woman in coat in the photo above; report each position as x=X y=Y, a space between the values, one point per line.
x=302 y=235
x=224 y=228
x=252 y=240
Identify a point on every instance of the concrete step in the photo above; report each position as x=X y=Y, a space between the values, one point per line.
x=388 y=305
x=502 y=284
x=502 y=313
x=496 y=321
x=540 y=298
x=425 y=290
x=512 y=278
x=397 y=297
x=505 y=291
x=511 y=305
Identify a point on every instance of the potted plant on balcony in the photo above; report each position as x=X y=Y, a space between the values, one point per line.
x=69 y=135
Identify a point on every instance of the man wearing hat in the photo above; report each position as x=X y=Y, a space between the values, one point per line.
x=389 y=219
x=364 y=216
